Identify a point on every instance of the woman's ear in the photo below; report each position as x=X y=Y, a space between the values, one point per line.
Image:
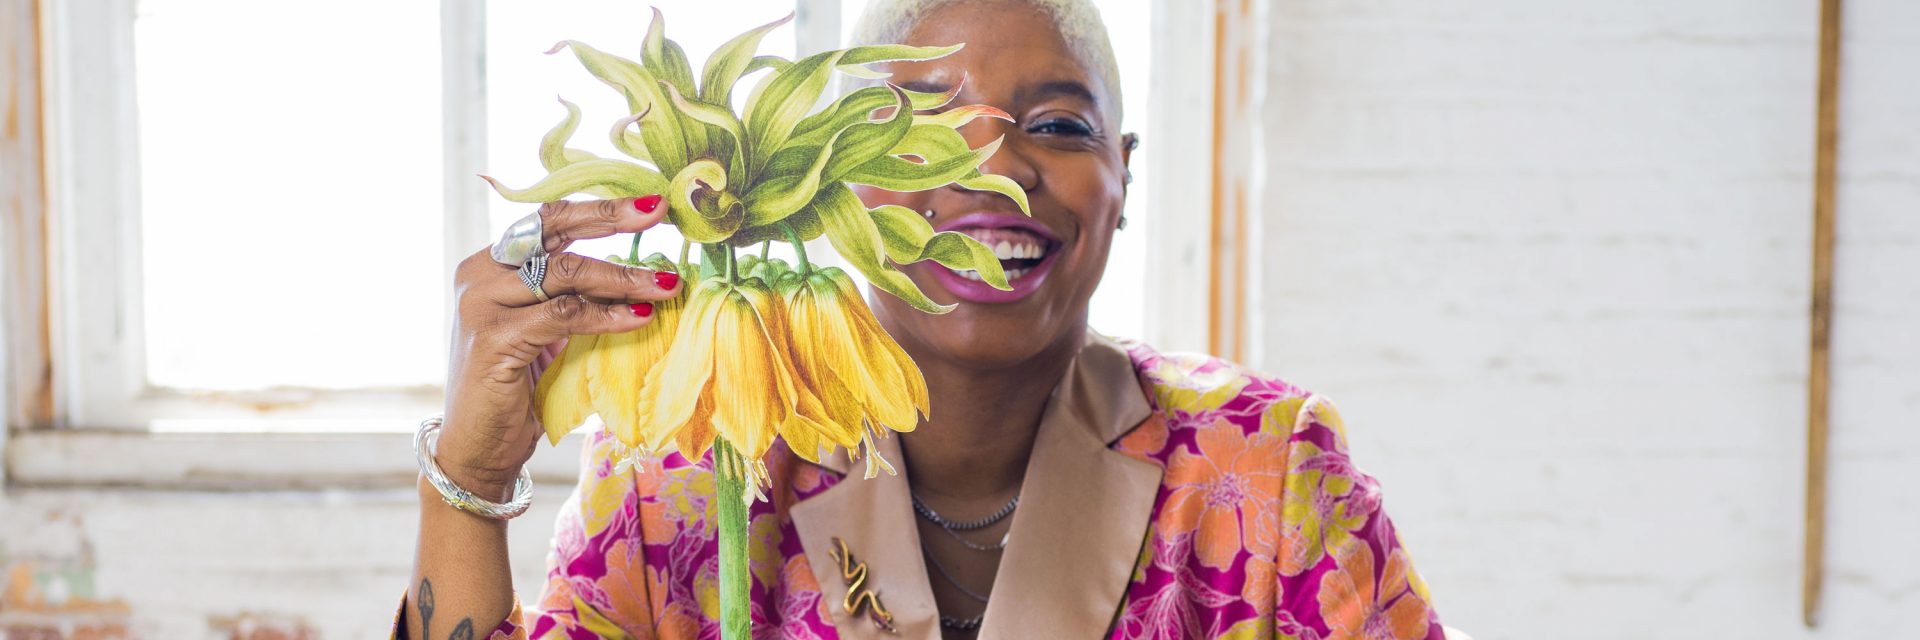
x=1128 y=142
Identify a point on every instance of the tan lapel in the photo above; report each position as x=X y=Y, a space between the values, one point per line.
x=1083 y=516
x=875 y=519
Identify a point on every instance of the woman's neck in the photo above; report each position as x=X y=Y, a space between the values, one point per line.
x=977 y=441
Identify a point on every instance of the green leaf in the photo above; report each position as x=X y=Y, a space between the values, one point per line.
x=732 y=60
x=897 y=53
x=664 y=58
x=775 y=63
x=959 y=116
x=775 y=107
x=666 y=144
x=553 y=146
x=858 y=107
x=897 y=174
x=628 y=142
x=998 y=184
x=720 y=118
x=777 y=197
x=910 y=239
x=617 y=178
x=856 y=237
x=805 y=222
x=862 y=142
x=702 y=209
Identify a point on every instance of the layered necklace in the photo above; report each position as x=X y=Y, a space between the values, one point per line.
x=953 y=529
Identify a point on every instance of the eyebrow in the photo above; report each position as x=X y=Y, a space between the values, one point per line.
x=1049 y=89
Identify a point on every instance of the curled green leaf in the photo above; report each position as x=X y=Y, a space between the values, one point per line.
x=910 y=239
x=664 y=58
x=617 y=178
x=856 y=237
x=733 y=60
x=779 y=104
x=702 y=209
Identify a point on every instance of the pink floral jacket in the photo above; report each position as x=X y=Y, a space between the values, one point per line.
x=1168 y=496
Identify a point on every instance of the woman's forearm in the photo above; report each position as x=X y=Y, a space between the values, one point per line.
x=462 y=581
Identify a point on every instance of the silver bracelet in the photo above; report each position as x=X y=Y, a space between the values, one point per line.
x=425 y=446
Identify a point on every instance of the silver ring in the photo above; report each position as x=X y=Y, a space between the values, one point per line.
x=533 y=273
x=520 y=243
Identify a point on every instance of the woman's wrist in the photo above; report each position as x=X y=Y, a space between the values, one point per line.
x=489 y=475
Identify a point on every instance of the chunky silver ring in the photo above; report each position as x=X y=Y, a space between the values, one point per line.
x=520 y=243
x=533 y=273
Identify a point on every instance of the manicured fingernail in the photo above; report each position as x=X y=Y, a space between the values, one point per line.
x=642 y=309
x=666 y=279
x=647 y=204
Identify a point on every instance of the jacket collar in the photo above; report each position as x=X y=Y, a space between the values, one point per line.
x=1083 y=517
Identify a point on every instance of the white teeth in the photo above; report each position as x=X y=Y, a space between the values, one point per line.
x=1016 y=273
x=1003 y=251
x=1031 y=251
x=970 y=275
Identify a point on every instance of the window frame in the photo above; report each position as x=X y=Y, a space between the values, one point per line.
x=97 y=427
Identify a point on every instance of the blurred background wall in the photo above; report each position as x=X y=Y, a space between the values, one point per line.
x=1551 y=259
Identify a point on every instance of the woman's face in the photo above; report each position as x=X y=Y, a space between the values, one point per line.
x=1062 y=148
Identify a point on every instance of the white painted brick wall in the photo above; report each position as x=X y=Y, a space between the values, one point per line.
x=1553 y=259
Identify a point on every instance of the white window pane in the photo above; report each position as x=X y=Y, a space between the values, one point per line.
x=522 y=84
x=291 y=193
x=1119 y=305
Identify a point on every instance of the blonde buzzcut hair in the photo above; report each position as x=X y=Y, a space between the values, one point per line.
x=1078 y=21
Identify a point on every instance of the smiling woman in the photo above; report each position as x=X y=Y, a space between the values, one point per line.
x=1063 y=484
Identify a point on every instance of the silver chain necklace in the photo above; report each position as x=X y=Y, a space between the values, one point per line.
x=933 y=517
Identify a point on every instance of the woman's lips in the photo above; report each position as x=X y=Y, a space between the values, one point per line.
x=1026 y=250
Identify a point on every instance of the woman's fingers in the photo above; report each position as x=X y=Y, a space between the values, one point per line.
x=563 y=222
x=532 y=328
x=575 y=274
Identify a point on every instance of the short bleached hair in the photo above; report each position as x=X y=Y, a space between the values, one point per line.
x=1078 y=21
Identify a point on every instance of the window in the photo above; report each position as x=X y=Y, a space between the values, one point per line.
x=256 y=206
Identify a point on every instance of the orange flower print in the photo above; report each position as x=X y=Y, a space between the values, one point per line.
x=1145 y=440
x=1356 y=608
x=1231 y=487
x=1320 y=509
x=630 y=596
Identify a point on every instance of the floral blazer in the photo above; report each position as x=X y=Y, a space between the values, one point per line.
x=1168 y=496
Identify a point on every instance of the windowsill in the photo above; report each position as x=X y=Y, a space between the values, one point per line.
x=228 y=460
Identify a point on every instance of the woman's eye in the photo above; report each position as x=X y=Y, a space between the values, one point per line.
x=1061 y=127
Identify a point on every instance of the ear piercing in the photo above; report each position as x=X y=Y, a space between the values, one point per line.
x=928 y=213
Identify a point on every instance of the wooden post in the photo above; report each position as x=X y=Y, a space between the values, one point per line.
x=1822 y=311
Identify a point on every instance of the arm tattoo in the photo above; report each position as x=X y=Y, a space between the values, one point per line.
x=464 y=631
x=425 y=603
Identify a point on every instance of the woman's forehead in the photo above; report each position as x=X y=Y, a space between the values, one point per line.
x=1013 y=52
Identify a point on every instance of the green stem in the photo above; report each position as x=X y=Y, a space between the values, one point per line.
x=799 y=248
x=733 y=266
x=764 y=246
x=685 y=245
x=729 y=489
x=633 y=255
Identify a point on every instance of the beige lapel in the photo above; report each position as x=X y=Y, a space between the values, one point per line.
x=1083 y=516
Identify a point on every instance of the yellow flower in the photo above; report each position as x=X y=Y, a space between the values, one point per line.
x=602 y=374
x=840 y=351
x=727 y=376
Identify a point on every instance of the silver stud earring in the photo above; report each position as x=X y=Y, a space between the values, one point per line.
x=1123 y=223
x=928 y=213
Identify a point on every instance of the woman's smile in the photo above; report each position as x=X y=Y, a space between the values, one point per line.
x=1026 y=250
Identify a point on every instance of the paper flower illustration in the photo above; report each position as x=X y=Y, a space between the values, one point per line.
x=759 y=351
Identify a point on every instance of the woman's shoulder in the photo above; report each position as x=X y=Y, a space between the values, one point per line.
x=1200 y=394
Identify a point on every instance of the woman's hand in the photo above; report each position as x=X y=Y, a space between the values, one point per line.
x=501 y=330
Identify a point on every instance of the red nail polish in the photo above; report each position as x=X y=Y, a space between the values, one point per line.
x=666 y=279
x=647 y=204
x=642 y=309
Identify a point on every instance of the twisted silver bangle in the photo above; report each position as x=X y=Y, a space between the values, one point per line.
x=425 y=445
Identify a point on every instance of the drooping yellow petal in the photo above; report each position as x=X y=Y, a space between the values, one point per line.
x=561 y=399
x=753 y=390
x=675 y=386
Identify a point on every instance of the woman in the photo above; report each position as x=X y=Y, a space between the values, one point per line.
x=1066 y=485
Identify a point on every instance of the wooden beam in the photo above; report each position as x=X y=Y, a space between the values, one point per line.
x=1822 y=310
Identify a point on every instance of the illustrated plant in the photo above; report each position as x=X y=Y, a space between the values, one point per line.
x=756 y=348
